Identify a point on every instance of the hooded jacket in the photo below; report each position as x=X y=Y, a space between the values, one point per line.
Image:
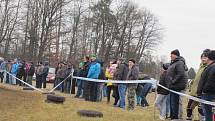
x=207 y=81
x=196 y=80
x=177 y=74
x=164 y=82
x=31 y=70
x=121 y=72
x=133 y=74
x=94 y=71
x=14 y=69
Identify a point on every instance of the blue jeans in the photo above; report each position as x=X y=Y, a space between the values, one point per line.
x=67 y=86
x=208 y=108
x=104 y=91
x=174 y=105
x=144 y=93
x=99 y=91
x=122 y=93
x=168 y=105
x=80 y=88
x=139 y=99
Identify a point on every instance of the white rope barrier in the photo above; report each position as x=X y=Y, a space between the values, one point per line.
x=25 y=83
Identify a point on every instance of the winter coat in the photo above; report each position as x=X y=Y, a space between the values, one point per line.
x=102 y=74
x=121 y=72
x=177 y=74
x=133 y=74
x=85 y=69
x=94 y=71
x=27 y=68
x=67 y=72
x=39 y=70
x=207 y=81
x=61 y=73
x=108 y=76
x=164 y=82
x=21 y=69
x=31 y=71
x=196 y=80
x=46 y=70
x=14 y=69
x=139 y=89
x=3 y=66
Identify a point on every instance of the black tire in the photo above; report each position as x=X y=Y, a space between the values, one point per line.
x=90 y=113
x=55 y=98
x=46 y=93
x=28 y=88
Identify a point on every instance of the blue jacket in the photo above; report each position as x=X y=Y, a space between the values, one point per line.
x=94 y=71
x=14 y=69
x=3 y=66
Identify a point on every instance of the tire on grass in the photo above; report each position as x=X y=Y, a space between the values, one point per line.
x=28 y=88
x=90 y=113
x=55 y=98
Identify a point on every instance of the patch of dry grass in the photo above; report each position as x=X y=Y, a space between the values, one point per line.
x=19 y=105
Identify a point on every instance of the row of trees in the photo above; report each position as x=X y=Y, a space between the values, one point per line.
x=71 y=29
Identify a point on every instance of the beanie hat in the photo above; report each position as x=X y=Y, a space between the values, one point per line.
x=176 y=52
x=93 y=56
x=81 y=64
x=132 y=60
x=166 y=66
x=211 y=55
x=205 y=53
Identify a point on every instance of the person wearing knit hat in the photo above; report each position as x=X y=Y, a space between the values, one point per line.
x=206 y=85
x=177 y=81
x=211 y=55
x=193 y=88
x=93 y=73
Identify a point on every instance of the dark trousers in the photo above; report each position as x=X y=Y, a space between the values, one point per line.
x=73 y=86
x=17 y=81
x=109 y=88
x=67 y=86
x=1 y=76
x=39 y=80
x=93 y=91
x=174 y=105
x=98 y=96
x=7 y=78
x=191 y=106
x=208 y=108
x=116 y=94
x=80 y=84
x=146 y=88
x=44 y=81
x=87 y=90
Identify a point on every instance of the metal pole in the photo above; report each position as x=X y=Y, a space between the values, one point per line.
x=71 y=81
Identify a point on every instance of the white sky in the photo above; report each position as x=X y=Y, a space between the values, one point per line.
x=189 y=26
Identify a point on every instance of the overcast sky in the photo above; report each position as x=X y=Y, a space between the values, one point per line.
x=189 y=26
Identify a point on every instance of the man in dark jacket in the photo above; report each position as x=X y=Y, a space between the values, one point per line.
x=67 y=84
x=21 y=73
x=30 y=73
x=133 y=74
x=121 y=74
x=206 y=85
x=86 y=85
x=178 y=80
x=45 y=73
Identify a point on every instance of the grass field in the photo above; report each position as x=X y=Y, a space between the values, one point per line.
x=19 y=105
